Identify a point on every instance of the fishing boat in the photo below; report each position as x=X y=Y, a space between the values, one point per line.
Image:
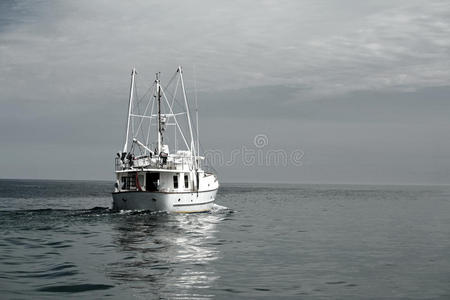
x=150 y=175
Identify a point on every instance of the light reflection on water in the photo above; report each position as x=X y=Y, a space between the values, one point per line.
x=167 y=254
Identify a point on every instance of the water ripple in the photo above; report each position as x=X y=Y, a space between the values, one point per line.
x=75 y=288
x=299 y=242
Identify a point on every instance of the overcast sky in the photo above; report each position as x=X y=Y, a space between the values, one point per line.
x=361 y=88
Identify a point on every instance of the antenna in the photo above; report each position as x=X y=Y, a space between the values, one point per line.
x=196 y=112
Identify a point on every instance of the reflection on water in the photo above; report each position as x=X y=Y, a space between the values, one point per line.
x=166 y=254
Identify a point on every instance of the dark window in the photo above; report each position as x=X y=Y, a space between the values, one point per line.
x=175 y=181
x=186 y=181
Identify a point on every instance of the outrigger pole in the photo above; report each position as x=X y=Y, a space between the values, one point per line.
x=130 y=105
x=194 y=153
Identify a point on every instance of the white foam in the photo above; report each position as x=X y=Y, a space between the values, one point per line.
x=217 y=208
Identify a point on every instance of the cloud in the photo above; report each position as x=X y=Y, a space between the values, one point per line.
x=405 y=47
x=326 y=47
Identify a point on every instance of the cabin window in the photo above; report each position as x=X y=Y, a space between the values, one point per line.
x=129 y=182
x=175 y=181
x=186 y=181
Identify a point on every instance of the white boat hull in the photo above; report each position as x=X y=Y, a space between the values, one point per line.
x=181 y=202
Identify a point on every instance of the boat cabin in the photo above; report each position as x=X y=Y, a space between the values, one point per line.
x=151 y=181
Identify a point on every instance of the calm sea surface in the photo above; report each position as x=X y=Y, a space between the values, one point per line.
x=59 y=239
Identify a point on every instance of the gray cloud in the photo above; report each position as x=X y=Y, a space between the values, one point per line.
x=322 y=45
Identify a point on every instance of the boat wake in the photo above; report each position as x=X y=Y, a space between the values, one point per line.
x=103 y=210
x=219 y=208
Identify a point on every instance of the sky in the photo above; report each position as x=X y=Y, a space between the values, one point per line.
x=358 y=90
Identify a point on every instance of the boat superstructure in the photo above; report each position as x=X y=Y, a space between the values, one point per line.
x=160 y=169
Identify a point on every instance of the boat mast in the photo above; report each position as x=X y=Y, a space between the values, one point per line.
x=130 y=104
x=158 y=91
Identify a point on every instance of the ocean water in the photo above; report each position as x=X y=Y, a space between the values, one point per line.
x=60 y=240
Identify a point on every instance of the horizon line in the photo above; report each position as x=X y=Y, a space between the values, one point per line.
x=265 y=182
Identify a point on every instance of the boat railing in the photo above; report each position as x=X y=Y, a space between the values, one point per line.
x=174 y=163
